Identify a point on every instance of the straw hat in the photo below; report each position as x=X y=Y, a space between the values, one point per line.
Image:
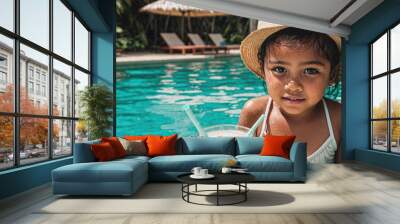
x=252 y=43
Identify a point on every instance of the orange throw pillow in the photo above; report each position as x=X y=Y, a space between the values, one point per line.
x=116 y=145
x=135 y=138
x=103 y=151
x=277 y=146
x=161 y=145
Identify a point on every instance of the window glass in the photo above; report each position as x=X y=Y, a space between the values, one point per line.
x=39 y=62
x=62 y=137
x=7 y=14
x=34 y=21
x=33 y=139
x=62 y=91
x=395 y=47
x=6 y=74
x=81 y=45
x=81 y=131
x=81 y=81
x=62 y=29
x=395 y=136
x=379 y=98
x=379 y=56
x=379 y=135
x=6 y=142
x=395 y=94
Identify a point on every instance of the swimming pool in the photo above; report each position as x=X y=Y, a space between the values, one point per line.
x=150 y=97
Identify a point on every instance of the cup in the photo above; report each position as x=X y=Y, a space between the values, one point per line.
x=203 y=172
x=226 y=170
x=196 y=171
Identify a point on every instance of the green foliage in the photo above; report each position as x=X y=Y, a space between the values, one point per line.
x=97 y=104
x=137 y=31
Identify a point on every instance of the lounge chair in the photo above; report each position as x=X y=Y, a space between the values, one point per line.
x=175 y=43
x=219 y=40
x=197 y=41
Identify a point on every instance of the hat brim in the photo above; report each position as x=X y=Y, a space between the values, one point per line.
x=251 y=44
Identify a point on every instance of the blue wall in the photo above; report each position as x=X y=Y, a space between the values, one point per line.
x=99 y=15
x=356 y=83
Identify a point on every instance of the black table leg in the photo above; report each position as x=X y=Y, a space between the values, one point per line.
x=217 y=194
x=245 y=193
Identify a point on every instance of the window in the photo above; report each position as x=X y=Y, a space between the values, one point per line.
x=30 y=87
x=30 y=72
x=3 y=71
x=38 y=89
x=385 y=96
x=54 y=125
x=3 y=78
x=43 y=90
x=3 y=61
x=37 y=74
x=81 y=45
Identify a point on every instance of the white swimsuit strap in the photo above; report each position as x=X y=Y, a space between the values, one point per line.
x=264 y=126
x=328 y=120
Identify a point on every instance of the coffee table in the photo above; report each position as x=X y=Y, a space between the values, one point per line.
x=238 y=179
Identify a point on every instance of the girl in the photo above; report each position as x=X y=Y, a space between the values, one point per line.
x=297 y=65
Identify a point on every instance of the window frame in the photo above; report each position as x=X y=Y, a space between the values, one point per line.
x=16 y=114
x=388 y=74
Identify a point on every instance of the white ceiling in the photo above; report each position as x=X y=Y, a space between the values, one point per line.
x=317 y=15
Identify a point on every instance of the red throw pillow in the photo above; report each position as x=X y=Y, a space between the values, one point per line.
x=161 y=145
x=277 y=146
x=103 y=151
x=135 y=138
x=116 y=145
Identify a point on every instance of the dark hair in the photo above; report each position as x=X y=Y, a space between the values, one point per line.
x=320 y=42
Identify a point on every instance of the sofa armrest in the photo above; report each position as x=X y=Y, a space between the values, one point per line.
x=83 y=152
x=298 y=155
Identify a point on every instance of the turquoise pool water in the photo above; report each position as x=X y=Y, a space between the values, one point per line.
x=150 y=97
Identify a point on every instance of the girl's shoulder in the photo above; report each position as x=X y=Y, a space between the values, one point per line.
x=252 y=110
x=335 y=108
x=335 y=112
x=256 y=105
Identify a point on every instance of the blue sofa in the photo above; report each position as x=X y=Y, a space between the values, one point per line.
x=125 y=176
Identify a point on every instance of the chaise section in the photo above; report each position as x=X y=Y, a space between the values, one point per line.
x=167 y=168
x=119 y=177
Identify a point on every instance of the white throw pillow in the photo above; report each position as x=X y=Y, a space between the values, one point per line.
x=135 y=147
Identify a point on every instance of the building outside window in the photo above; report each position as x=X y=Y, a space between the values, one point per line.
x=385 y=96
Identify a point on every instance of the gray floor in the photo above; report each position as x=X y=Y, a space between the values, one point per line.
x=352 y=181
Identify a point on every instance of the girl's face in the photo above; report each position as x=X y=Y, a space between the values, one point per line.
x=296 y=77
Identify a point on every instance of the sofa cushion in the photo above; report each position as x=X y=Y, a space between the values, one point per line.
x=134 y=147
x=206 y=145
x=249 y=145
x=257 y=163
x=275 y=145
x=161 y=145
x=103 y=151
x=185 y=163
x=116 y=145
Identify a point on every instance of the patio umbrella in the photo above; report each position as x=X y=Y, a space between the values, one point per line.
x=163 y=7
